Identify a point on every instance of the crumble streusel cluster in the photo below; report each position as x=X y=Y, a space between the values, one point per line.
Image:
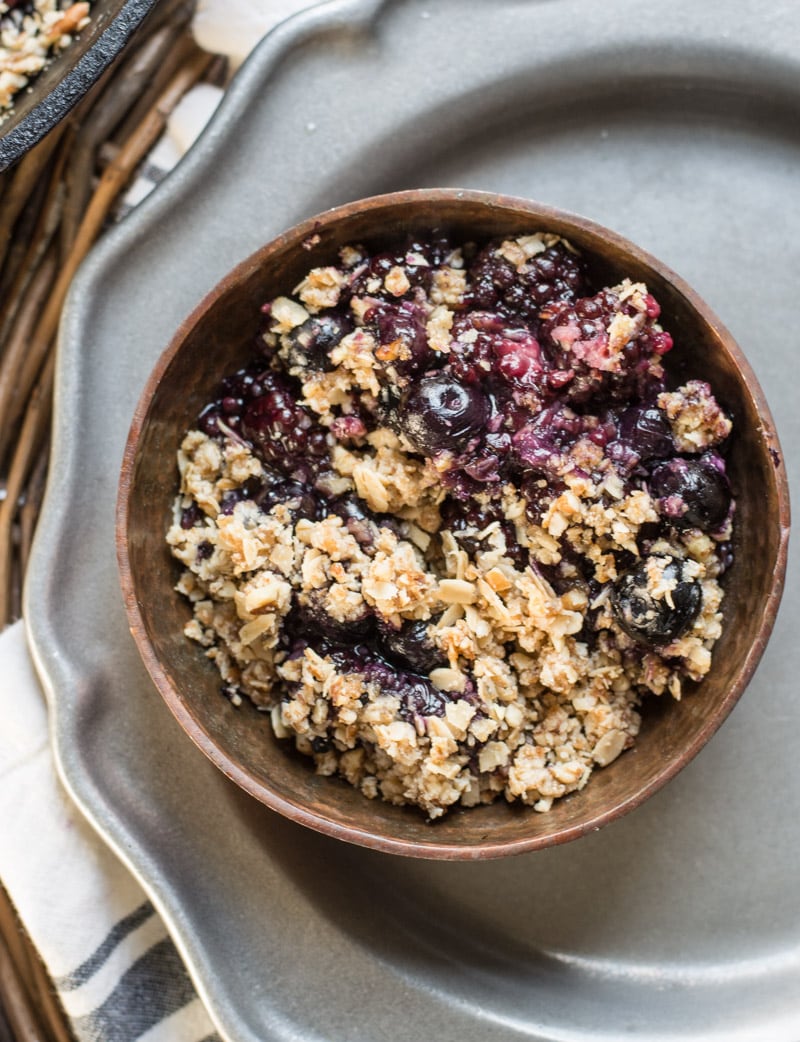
x=452 y=525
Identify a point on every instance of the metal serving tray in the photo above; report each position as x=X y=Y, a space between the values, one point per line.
x=674 y=123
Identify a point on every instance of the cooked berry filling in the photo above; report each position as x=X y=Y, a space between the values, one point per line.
x=455 y=521
x=411 y=647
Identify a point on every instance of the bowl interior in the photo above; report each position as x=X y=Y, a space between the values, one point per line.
x=219 y=337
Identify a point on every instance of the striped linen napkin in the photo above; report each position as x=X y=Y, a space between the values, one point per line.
x=117 y=973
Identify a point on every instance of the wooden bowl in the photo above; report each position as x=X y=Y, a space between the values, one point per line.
x=218 y=337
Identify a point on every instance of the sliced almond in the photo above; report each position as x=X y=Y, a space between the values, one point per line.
x=609 y=747
x=457 y=591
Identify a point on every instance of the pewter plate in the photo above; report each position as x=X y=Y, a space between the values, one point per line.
x=674 y=123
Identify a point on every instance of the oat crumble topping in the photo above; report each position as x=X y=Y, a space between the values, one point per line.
x=453 y=525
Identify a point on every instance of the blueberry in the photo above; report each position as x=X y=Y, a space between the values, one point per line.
x=249 y=490
x=416 y=694
x=653 y=619
x=230 y=499
x=359 y=520
x=387 y=407
x=411 y=646
x=299 y=498
x=401 y=332
x=439 y=413
x=692 y=493
x=310 y=344
x=356 y=517
x=470 y=516
x=645 y=429
x=191 y=516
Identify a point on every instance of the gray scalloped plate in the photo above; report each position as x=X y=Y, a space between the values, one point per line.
x=677 y=125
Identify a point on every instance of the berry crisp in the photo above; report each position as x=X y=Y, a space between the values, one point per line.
x=453 y=522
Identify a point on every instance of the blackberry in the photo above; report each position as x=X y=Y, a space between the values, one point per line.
x=283 y=433
x=226 y=408
x=417 y=259
x=471 y=358
x=553 y=275
x=576 y=337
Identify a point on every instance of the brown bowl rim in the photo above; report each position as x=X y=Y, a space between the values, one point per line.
x=298 y=812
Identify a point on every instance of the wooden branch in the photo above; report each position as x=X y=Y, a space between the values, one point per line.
x=183 y=50
x=30 y=351
x=15 y=385
x=17 y=189
x=111 y=108
x=16 y=948
x=26 y=976
x=114 y=178
x=46 y=227
x=29 y=512
x=52 y=211
x=34 y=431
x=23 y=232
x=16 y=1001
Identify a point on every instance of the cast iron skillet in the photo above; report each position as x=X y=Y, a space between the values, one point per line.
x=65 y=80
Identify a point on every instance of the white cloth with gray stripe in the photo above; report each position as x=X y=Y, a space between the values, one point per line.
x=117 y=973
